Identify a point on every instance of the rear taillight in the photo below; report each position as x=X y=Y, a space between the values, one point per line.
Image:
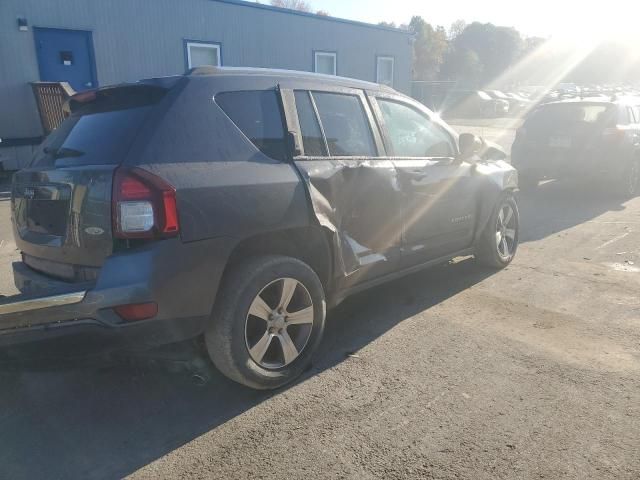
x=144 y=205
x=614 y=134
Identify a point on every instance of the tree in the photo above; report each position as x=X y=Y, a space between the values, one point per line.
x=387 y=24
x=429 y=48
x=463 y=65
x=322 y=13
x=497 y=48
x=456 y=29
x=300 y=5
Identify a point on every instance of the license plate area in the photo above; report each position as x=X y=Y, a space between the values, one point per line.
x=41 y=212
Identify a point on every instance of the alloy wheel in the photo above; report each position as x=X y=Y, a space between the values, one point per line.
x=634 y=178
x=279 y=323
x=506 y=232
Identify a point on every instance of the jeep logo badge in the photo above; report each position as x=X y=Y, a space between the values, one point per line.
x=29 y=193
x=94 y=230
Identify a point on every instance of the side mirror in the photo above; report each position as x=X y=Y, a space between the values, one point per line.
x=469 y=145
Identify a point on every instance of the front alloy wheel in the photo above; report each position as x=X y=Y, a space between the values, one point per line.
x=633 y=179
x=498 y=243
x=506 y=232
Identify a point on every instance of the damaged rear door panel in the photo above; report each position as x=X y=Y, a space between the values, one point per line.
x=354 y=191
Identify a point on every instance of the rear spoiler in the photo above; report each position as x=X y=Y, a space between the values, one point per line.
x=117 y=97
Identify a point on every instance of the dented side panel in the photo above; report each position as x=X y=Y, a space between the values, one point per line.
x=359 y=203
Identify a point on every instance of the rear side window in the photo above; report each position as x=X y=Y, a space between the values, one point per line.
x=310 y=129
x=100 y=129
x=257 y=114
x=345 y=125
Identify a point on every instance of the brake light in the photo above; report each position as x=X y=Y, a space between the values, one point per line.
x=144 y=205
x=614 y=134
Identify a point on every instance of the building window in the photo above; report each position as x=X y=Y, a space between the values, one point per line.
x=384 y=70
x=203 y=53
x=325 y=62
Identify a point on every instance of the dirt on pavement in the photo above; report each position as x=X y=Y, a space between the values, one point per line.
x=456 y=372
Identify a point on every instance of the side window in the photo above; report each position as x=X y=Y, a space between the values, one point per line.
x=345 y=125
x=257 y=114
x=312 y=139
x=413 y=134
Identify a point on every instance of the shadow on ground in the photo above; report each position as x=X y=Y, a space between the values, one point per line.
x=556 y=206
x=108 y=421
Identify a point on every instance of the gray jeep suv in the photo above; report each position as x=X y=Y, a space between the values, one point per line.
x=239 y=204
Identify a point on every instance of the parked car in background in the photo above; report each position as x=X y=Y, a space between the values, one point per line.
x=518 y=104
x=239 y=204
x=472 y=104
x=581 y=138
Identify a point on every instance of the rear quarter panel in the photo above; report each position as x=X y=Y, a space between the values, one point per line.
x=225 y=186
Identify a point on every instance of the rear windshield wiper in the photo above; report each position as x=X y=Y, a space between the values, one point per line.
x=63 y=152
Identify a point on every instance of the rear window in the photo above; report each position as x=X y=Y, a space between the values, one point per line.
x=257 y=114
x=100 y=129
x=570 y=113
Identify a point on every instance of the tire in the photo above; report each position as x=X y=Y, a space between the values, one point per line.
x=528 y=183
x=266 y=350
x=630 y=183
x=502 y=226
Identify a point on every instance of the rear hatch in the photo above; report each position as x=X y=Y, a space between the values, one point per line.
x=564 y=135
x=61 y=203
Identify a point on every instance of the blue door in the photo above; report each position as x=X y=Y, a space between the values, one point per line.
x=66 y=56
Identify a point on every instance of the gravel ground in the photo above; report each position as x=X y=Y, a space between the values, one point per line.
x=457 y=372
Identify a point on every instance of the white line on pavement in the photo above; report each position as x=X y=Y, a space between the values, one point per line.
x=613 y=240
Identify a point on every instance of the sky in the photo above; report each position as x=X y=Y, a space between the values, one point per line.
x=545 y=18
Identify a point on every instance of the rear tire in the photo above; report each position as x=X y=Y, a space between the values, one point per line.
x=267 y=322
x=499 y=241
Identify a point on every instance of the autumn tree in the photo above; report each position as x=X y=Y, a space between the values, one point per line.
x=429 y=47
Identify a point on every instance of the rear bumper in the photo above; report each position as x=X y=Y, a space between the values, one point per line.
x=181 y=278
x=588 y=164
